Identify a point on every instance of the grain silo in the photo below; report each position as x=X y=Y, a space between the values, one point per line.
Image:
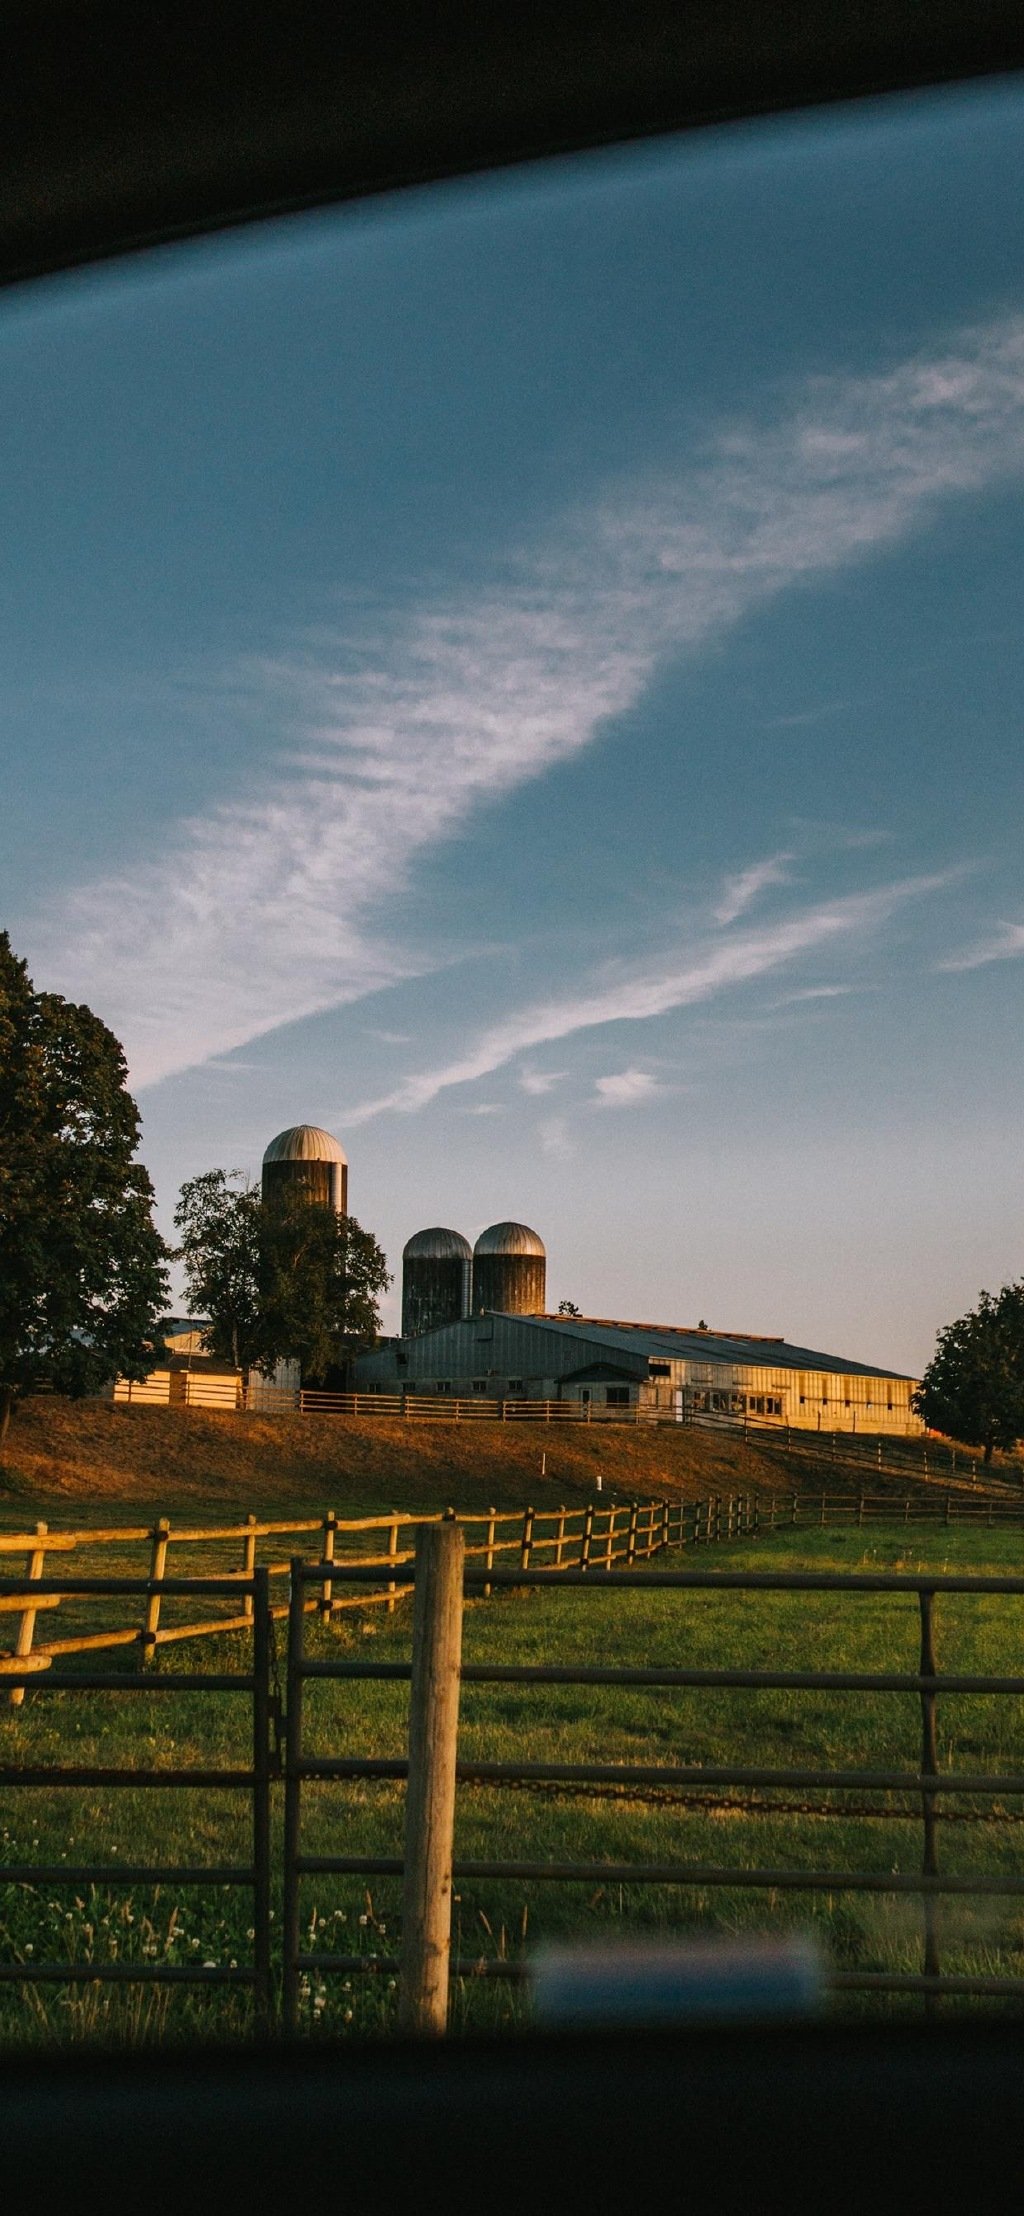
x=307 y=1160
x=509 y=1271
x=437 y=1270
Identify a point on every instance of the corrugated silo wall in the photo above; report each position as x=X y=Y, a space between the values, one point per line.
x=435 y=1290
x=512 y=1284
x=325 y=1184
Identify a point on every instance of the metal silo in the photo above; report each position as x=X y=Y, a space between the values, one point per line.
x=509 y=1271
x=307 y=1160
x=437 y=1268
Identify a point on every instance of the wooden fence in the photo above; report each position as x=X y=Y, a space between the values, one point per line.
x=597 y=1532
x=432 y=1769
x=598 y=1535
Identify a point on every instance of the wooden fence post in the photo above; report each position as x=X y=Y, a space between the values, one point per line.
x=327 y=1588
x=585 y=1535
x=929 y=1768
x=634 y=1518
x=492 y=1518
x=249 y=1562
x=666 y=1531
x=524 y=1558
x=392 y=1551
x=559 y=1538
x=157 y=1564
x=27 y=1620
x=430 y=1791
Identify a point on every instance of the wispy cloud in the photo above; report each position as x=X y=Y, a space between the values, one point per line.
x=273 y=907
x=680 y=981
x=740 y=892
x=538 y=1082
x=626 y=1089
x=1005 y=945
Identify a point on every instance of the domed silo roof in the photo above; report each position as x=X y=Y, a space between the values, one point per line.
x=509 y=1238
x=305 y=1142
x=437 y=1245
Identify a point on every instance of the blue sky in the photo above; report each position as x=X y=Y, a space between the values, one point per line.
x=527 y=675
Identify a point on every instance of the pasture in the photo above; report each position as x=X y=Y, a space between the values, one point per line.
x=498 y=1921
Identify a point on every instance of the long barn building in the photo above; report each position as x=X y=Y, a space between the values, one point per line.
x=665 y=1368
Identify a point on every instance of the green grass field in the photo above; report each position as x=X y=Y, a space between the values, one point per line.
x=557 y=1724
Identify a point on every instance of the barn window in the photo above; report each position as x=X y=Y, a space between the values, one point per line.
x=444 y=1385
x=479 y=1384
x=515 y=1385
x=617 y=1396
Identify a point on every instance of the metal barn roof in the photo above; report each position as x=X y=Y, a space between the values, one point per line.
x=684 y=1343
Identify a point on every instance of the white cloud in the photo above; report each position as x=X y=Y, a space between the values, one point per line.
x=684 y=979
x=625 y=1089
x=1006 y=945
x=740 y=892
x=538 y=1082
x=274 y=907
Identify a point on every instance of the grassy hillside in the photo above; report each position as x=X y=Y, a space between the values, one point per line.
x=67 y=1455
x=77 y=1457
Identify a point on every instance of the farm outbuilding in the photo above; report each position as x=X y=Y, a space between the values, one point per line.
x=667 y=1369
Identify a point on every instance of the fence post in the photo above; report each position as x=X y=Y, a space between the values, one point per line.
x=294 y=1689
x=249 y=1562
x=492 y=1520
x=860 y=1508
x=793 y=1516
x=773 y=1512
x=327 y=1589
x=157 y=1563
x=524 y=1558
x=585 y=1535
x=906 y=1509
x=929 y=1767
x=559 y=1538
x=27 y=1619
x=392 y=1551
x=666 y=1527
x=260 y=1613
x=634 y=1518
x=430 y=1791
x=609 y=1551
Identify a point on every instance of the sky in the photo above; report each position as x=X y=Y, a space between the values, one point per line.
x=527 y=675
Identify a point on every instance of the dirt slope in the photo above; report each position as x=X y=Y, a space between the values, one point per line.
x=68 y=1456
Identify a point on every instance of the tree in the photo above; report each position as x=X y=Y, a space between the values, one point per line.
x=280 y=1280
x=83 y=1279
x=218 y=1219
x=973 y=1387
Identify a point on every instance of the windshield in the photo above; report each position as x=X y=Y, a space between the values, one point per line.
x=523 y=679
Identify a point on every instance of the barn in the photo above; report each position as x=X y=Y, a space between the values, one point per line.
x=667 y=1370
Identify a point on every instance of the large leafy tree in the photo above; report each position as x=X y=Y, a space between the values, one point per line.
x=82 y=1267
x=281 y=1280
x=973 y=1387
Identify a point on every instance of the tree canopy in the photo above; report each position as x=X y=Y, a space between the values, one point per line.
x=973 y=1387
x=83 y=1279
x=281 y=1280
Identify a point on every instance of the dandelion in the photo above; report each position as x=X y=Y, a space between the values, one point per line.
x=348 y=2016
x=250 y=1934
